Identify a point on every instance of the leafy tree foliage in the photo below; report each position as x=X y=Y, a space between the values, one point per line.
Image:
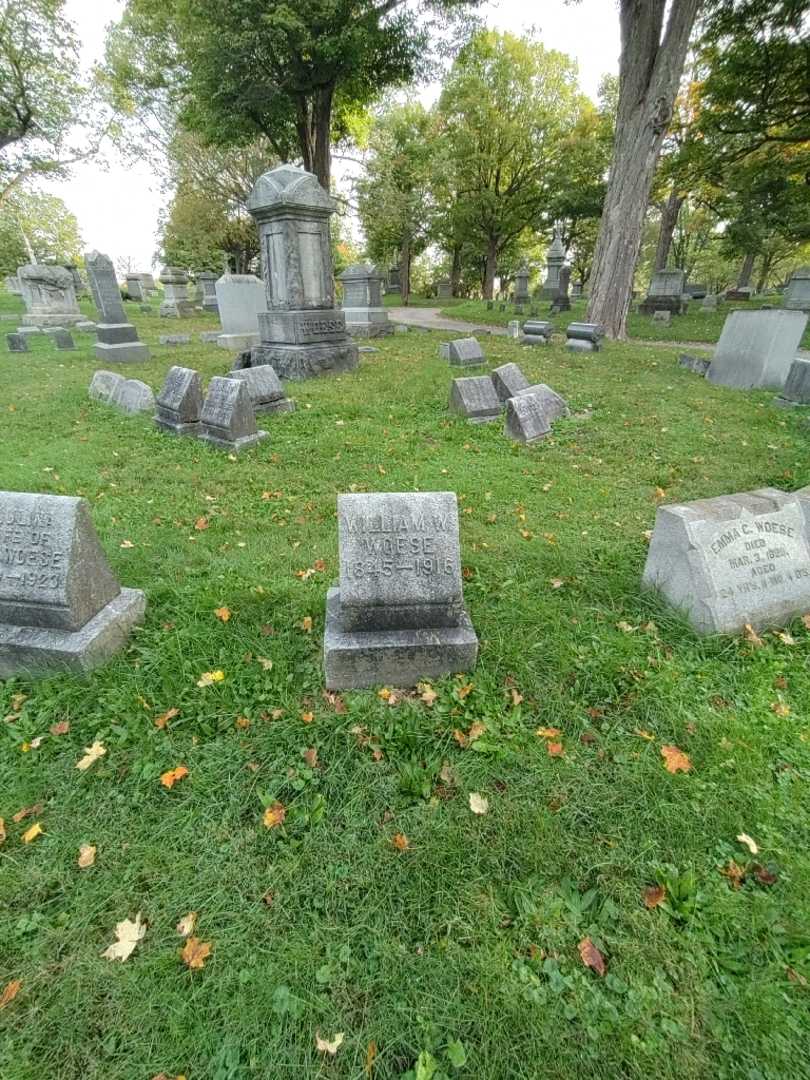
x=35 y=227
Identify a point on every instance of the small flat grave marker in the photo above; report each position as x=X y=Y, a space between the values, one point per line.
x=179 y=402
x=265 y=389
x=508 y=380
x=475 y=397
x=17 y=342
x=227 y=420
x=465 y=352
x=103 y=385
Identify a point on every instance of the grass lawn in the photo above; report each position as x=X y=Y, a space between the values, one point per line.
x=459 y=955
x=695 y=326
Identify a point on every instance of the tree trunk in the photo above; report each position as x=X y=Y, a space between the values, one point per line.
x=313 y=123
x=746 y=270
x=490 y=267
x=455 y=271
x=405 y=273
x=650 y=68
x=669 y=219
x=764 y=271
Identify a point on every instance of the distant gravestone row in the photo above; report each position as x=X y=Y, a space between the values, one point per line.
x=530 y=410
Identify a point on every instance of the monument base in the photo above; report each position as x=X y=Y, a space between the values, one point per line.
x=354 y=660
x=63 y=320
x=244 y=442
x=237 y=342
x=34 y=650
x=675 y=304
x=176 y=427
x=298 y=362
x=176 y=309
x=282 y=405
x=367 y=322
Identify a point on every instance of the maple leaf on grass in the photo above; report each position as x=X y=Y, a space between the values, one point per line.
x=10 y=991
x=195 y=953
x=91 y=754
x=128 y=934
x=675 y=760
x=548 y=732
x=208 y=678
x=274 y=815
x=591 y=957
x=329 y=1046
x=171 y=776
x=400 y=841
x=222 y=613
x=555 y=749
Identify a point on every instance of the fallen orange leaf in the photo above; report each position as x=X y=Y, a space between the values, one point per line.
x=591 y=957
x=555 y=749
x=222 y=613
x=274 y=815
x=548 y=732
x=400 y=841
x=170 y=778
x=195 y=953
x=162 y=720
x=201 y=523
x=306 y=624
x=654 y=895
x=675 y=760
x=10 y=991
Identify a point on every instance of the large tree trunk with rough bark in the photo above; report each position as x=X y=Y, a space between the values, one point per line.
x=746 y=270
x=650 y=68
x=669 y=219
x=490 y=267
x=314 y=127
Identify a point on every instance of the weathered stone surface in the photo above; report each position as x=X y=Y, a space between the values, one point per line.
x=13 y=285
x=116 y=339
x=362 y=302
x=209 y=337
x=526 y=418
x=60 y=338
x=443 y=289
x=756 y=349
x=264 y=388
x=797 y=294
x=175 y=339
x=49 y=295
x=555 y=258
x=302 y=334
x=86 y=327
x=17 y=342
x=398 y=615
x=103 y=385
x=553 y=404
x=464 y=352
x=536 y=332
x=796 y=391
x=664 y=317
x=133 y=396
x=61 y=608
x=698 y=365
x=208 y=283
x=522 y=284
x=227 y=420
x=666 y=293
x=734 y=560
x=513 y=328
x=508 y=380
x=475 y=398
x=176 y=303
x=241 y=299
x=179 y=402
x=584 y=337
x=135 y=287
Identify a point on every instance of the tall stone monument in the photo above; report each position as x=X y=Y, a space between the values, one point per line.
x=116 y=339
x=797 y=294
x=555 y=258
x=522 y=284
x=302 y=333
x=49 y=296
x=561 y=301
x=61 y=608
x=176 y=303
x=397 y=614
x=362 y=301
x=208 y=283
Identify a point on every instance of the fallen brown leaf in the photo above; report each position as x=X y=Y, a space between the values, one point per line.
x=28 y=811
x=675 y=760
x=306 y=624
x=752 y=637
x=735 y=873
x=310 y=756
x=10 y=991
x=591 y=957
x=274 y=815
x=61 y=727
x=171 y=776
x=87 y=856
x=654 y=895
x=201 y=523
x=400 y=841
x=195 y=952
x=162 y=720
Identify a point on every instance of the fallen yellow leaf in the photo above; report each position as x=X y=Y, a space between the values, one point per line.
x=170 y=778
x=478 y=804
x=128 y=934
x=195 y=953
x=91 y=754
x=222 y=613
x=548 y=732
x=675 y=760
x=306 y=624
x=329 y=1046
x=208 y=678
x=186 y=925
x=400 y=841
x=32 y=833
x=87 y=856
x=274 y=815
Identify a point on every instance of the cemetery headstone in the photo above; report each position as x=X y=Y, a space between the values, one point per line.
x=698 y=365
x=536 y=332
x=796 y=391
x=132 y=396
x=561 y=301
x=443 y=289
x=797 y=294
x=475 y=397
x=264 y=388
x=209 y=337
x=576 y=290
x=176 y=301
x=664 y=317
x=175 y=339
x=526 y=420
x=49 y=296
x=756 y=349
x=513 y=328
x=551 y=403
x=17 y=342
x=465 y=352
x=116 y=339
x=179 y=402
x=61 y=338
x=508 y=380
x=584 y=337
x=522 y=284
x=734 y=560
x=208 y=283
x=362 y=301
x=666 y=293
x=241 y=299
x=103 y=385
x=397 y=615
x=302 y=333
x=518 y=309
x=227 y=420
x=709 y=302
x=394 y=285
x=135 y=287
x=86 y=327
x=61 y=608
x=555 y=258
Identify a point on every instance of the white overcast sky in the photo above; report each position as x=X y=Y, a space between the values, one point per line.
x=118 y=207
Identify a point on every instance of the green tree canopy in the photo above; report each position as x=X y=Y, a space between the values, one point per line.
x=35 y=227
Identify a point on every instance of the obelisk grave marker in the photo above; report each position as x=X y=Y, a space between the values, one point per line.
x=116 y=339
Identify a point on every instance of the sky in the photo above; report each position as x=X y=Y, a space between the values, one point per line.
x=118 y=206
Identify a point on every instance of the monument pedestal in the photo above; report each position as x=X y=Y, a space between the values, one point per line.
x=298 y=362
x=117 y=343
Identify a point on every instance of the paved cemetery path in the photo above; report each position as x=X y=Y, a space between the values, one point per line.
x=429 y=318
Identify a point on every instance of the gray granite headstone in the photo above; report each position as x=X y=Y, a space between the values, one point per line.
x=526 y=419
x=475 y=398
x=241 y=298
x=536 y=332
x=797 y=294
x=103 y=385
x=116 y=339
x=698 y=365
x=553 y=404
x=555 y=258
x=61 y=608
x=208 y=283
x=796 y=391
x=227 y=420
x=397 y=615
x=508 y=380
x=264 y=388
x=176 y=303
x=362 y=301
x=61 y=338
x=664 y=317
x=465 y=352
x=709 y=302
x=49 y=295
x=666 y=292
x=756 y=349
x=584 y=337
x=133 y=396
x=734 y=560
x=179 y=402
x=17 y=342
x=135 y=287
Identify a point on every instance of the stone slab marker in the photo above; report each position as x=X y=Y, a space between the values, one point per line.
x=176 y=303
x=264 y=388
x=17 y=342
x=475 y=398
x=397 y=614
x=756 y=349
x=241 y=298
x=135 y=287
x=180 y=402
x=302 y=333
x=116 y=339
x=61 y=338
x=362 y=301
x=734 y=559
x=797 y=294
x=796 y=391
x=227 y=420
x=529 y=415
x=465 y=352
x=49 y=295
x=508 y=380
x=132 y=396
x=584 y=337
x=208 y=283
x=103 y=385
x=61 y=608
